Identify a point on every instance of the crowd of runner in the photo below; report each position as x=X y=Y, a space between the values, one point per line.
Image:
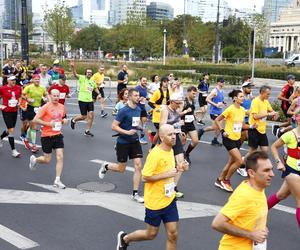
x=162 y=114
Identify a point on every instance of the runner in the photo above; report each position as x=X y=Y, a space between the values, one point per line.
x=7 y=71
x=216 y=101
x=234 y=117
x=259 y=112
x=18 y=72
x=126 y=124
x=154 y=85
x=45 y=78
x=188 y=117
x=290 y=169
x=51 y=116
x=159 y=98
x=122 y=101
x=122 y=79
x=54 y=73
x=62 y=87
x=34 y=94
x=244 y=224
x=203 y=88
x=170 y=115
x=85 y=99
x=99 y=79
x=142 y=89
x=176 y=87
x=160 y=202
x=11 y=96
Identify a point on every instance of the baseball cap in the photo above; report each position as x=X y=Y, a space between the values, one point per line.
x=35 y=76
x=291 y=77
x=11 y=78
x=56 y=61
x=63 y=77
x=220 y=79
x=176 y=97
x=247 y=85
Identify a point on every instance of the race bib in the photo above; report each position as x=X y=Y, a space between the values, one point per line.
x=259 y=246
x=169 y=189
x=62 y=95
x=135 y=121
x=57 y=126
x=189 y=118
x=12 y=103
x=36 y=110
x=237 y=127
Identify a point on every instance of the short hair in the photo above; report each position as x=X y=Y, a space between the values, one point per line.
x=131 y=91
x=191 y=88
x=153 y=78
x=88 y=69
x=234 y=93
x=264 y=88
x=251 y=159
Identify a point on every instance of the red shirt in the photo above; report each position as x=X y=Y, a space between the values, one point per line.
x=64 y=90
x=287 y=91
x=10 y=97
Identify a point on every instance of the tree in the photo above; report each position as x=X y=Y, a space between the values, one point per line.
x=59 y=25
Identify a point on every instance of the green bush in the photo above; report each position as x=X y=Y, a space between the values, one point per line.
x=277 y=107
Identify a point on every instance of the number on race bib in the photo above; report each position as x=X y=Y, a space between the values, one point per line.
x=12 y=103
x=62 y=95
x=135 y=121
x=57 y=126
x=189 y=118
x=169 y=189
x=237 y=127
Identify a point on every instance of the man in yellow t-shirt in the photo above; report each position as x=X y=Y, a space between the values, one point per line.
x=99 y=80
x=159 y=194
x=260 y=110
x=243 y=219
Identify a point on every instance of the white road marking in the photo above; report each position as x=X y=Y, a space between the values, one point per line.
x=16 y=239
x=20 y=142
x=130 y=169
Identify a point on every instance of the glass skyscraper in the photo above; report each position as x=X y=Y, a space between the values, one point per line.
x=271 y=9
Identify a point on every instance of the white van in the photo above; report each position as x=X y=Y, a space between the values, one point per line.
x=293 y=61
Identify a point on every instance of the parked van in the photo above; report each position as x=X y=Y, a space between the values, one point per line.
x=293 y=61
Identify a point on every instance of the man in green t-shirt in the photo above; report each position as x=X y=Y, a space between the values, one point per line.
x=85 y=98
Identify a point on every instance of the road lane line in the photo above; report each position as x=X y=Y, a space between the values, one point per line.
x=98 y=161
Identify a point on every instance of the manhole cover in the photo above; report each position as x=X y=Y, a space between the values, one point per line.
x=96 y=187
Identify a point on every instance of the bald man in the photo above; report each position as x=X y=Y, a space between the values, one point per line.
x=51 y=116
x=159 y=194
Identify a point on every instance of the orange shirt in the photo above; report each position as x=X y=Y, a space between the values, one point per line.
x=52 y=112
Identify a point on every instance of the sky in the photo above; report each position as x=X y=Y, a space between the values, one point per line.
x=178 y=5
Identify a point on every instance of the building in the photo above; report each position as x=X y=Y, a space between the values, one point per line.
x=77 y=13
x=194 y=7
x=99 y=12
x=285 y=33
x=98 y=5
x=272 y=8
x=121 y=10
x=160 y=11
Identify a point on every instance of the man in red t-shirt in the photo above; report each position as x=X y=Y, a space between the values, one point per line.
x=62 y=88
x=51 y=116
x=11 y=97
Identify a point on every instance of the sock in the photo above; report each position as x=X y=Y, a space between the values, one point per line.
x=11 y=140
x=273 y=200
x=57 y=178
x=102 y=111
x=4 y=134
x=106 y=167
x=176 y=189
x=189 y=149
x=298 y=215
x=28 y=133
x=134 y=192
x=33 y=136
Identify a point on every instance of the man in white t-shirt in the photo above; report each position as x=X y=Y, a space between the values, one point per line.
x=45 y=78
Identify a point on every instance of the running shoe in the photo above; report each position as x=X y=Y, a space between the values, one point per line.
x=242 y=172
x=215 y=142
x=1 y=143
x=102 y=170
x=274 y=129
x=34 y=149
x=218 y=184
x=103 y=115
x=22 y=137
x=150 y=136
x=137 y=198
x=88 y=133
x=143 y=140
x=26 y=144
x=121 y=245
x=200 y=133
x=226 y=185
x=32 y=163
x=201 y=123
x=72 y=124
x=279 y=133
x=179 y=195
x=59 y=184
x=15 y=153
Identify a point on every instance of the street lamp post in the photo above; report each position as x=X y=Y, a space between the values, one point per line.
x=253 y=52
x=217 y=35
x=165 y=44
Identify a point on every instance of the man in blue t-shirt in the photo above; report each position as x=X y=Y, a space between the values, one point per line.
x=127 y=124
x=122 y=79
x=142 y=89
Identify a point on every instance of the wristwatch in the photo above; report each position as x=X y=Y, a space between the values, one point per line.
x=278 y=160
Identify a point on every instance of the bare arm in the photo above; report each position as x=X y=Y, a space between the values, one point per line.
x=163 y=116
x=74 y=70
x=116 y=127
x=274 y=149
x=210 y=97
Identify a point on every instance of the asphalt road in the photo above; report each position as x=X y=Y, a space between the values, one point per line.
x=36 y=216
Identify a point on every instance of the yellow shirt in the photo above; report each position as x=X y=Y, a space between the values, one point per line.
x=289 y=138
x=158 y=161
x=234 y=121
x=261 y=108
x=156 y=112
x=98 y=78
x=246 y=208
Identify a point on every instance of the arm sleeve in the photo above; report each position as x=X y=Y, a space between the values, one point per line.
x=120 y=116
x=254 y=107
x=150 y=166
x=234 y=208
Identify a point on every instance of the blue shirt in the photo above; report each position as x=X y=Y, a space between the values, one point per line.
x=143 y=93
x=129 y=119
x=218 y=98
x=246 y=105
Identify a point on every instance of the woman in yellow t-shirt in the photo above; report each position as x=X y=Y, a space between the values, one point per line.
x=231 y=134
x=290 y=169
